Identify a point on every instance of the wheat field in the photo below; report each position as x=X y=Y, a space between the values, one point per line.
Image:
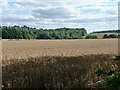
x=56 y=63
x=33 y=48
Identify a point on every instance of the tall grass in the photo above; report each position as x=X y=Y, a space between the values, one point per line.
x=56 y=72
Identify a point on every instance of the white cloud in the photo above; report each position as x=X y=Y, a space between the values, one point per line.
x=84 y=2
x=100 y=9
x=4 y=3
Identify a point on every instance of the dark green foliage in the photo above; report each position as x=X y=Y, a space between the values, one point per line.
x=25 y=32
x=118 y=35
x=108 y=31
x=91 y=37
x=113 y=36
x=113 y=80
x=105 y=36
x=111 y=77
x=116 y=57
x=110 y=72
x=99 y=72
x=110 y=36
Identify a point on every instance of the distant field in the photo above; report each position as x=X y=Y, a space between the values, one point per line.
x=34 y=48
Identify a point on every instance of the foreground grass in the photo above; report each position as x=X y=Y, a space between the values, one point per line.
x=57 y=72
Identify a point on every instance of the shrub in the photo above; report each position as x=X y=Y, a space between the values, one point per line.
x=113 y=36
x=91 y=37
x=105 y=36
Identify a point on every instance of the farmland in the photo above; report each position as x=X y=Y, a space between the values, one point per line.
x=56 y=63
x=34 y=48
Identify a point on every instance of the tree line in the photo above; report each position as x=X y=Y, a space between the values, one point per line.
x=92 y=36
x=108 y=31
x=24 y=32
x=111 y=36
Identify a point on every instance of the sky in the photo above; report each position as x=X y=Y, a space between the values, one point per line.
x=93 y=15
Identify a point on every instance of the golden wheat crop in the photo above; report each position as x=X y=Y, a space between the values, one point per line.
x=56 y=63
x=56 y=72
x=34 y=48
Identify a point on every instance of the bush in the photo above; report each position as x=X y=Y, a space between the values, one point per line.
x=111 y=77
x=113 y=36
x=105 y=36
x=113 y=80
x=91 y=37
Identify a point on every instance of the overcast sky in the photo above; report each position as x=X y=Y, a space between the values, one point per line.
x=94 y=15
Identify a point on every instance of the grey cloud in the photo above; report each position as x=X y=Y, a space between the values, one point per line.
x=88 y=10
x=33 y=5
x=51 y=13
x=111 y=12
x=17 y=20
x=91 y=20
